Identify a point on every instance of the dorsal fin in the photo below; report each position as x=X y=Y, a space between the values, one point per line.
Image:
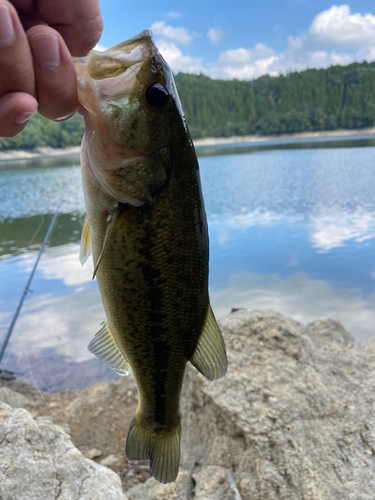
x=104 y=347
x=112 y=219
x=85 y=250
x=209 y=356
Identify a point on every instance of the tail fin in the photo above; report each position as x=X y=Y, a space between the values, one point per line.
x=158 y=446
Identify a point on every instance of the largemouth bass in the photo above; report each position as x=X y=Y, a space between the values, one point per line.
x=146 y=226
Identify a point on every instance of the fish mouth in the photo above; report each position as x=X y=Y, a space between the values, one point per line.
x=143 y=43
x=100 y=65
x=116 y=71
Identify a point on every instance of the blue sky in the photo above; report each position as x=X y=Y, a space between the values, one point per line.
x=244 y=39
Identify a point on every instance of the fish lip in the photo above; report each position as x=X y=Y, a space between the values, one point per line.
x=137 y=38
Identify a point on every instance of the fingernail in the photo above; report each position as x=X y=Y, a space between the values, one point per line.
x=66 y=117
x=7 y=34
x=23 y=117
x=45 y=49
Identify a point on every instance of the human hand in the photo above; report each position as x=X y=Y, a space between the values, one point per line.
x=37 y=41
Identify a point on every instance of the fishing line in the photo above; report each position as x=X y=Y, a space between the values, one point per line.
x=27 y=287
x=36 y=230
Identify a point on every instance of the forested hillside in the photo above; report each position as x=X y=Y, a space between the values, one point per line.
x=339 y=97
x=42 y=132
x=325 y=99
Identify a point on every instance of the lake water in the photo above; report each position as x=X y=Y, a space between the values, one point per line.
x=292 y=228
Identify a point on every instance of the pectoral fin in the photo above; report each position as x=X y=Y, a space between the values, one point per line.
x=104 y=347
x=85 y=250
x=209 y=356
x=106 y=239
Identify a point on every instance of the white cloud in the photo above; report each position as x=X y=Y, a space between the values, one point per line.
x=100 y=47
x=174 y=15
x=251 y=63
x=239 y=57
x=180 y=35
x=335 y=36
x=245 y=63
x=366 y=54
x=337 y=26
x=178 y=62
x=214 y=35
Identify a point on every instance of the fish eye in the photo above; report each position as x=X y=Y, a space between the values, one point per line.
x=157 y=96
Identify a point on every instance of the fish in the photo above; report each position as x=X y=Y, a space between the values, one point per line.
x=146 y=228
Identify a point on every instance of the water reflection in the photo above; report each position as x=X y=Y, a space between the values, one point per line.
x=291 y=230
x=328 y=231
x=26 y=235
x=300 y=296
x=38 y=191
x=289 y=183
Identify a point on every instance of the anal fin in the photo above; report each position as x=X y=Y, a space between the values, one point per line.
x=104 y=347
x=85 y=250
x=210 y=356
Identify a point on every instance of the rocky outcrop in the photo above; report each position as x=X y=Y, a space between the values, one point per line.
x=215 y=483
x=212 y=483
x=38 y=461
x=182 y=489
x=294 y=418
x=12 y=398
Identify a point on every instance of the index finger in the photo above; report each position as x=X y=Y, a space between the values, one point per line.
x=78 y=21
x=17 y=74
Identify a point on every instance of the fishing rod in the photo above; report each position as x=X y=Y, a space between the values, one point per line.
x=27 y=287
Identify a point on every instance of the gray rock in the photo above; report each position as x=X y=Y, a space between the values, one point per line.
x=212 y=483
x=111 y=460
x=294 y=418
x=328 y=329
x=12 y=398
x=97 y=394
x=38 y=461
x=215 y=483
x=92 y=454
x=182 y=489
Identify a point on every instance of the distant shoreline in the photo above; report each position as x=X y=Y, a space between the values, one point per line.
x=324 y=134
x=20 y=155
x=10 y=156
